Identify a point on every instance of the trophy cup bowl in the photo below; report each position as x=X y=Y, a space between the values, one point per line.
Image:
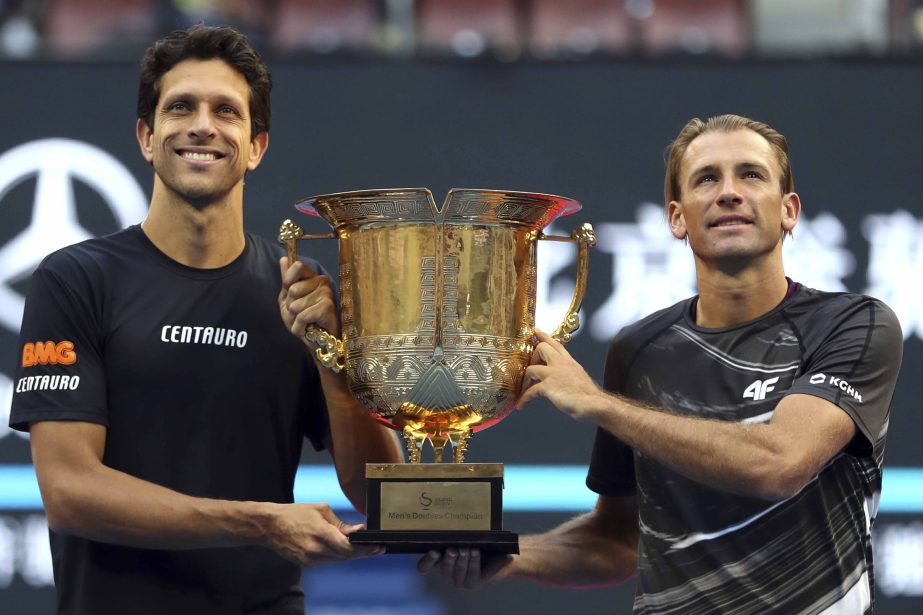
x=437 y=308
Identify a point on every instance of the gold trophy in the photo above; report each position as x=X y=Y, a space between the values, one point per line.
x=438 y=313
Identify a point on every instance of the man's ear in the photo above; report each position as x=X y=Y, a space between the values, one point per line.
x=677 y=221
x=145 y=135
x=258 y=146
x=791 y=210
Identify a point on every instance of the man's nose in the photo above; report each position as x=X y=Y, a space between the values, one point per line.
x=729 y=194
x=203 y=124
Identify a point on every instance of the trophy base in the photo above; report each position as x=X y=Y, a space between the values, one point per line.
x=418 y=507
x=495 y=542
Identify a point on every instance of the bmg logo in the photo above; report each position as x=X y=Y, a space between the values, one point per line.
x=43 y=353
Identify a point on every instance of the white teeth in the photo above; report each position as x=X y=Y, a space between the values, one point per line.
x=198 y=156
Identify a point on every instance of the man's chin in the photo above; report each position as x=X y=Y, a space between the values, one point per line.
x=202 y=198
x=735 y=258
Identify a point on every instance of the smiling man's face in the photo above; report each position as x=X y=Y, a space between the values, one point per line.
x=200 y=144
x=731 y=207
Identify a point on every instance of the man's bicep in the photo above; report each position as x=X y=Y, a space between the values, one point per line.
x=814 y=429
x=65 y=446
x=618 y=516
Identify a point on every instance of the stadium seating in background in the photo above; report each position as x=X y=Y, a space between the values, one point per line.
x=504 y=29
x=579 y=27
x=75 y=28
x=323 y=26
x=906 y=25
x=470 y=28
x=719 y=27
x=797 y=28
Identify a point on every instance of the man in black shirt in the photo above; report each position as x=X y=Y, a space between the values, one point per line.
x=741 y=432
x=167 y=403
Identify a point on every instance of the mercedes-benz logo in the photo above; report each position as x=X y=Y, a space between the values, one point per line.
x=55 y=163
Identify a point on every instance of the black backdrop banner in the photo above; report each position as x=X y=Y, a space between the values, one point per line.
x=70 y=169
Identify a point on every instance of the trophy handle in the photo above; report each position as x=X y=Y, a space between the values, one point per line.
x=331 y=350
x=585 y=238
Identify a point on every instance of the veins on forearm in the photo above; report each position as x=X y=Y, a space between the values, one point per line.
x=729 y=456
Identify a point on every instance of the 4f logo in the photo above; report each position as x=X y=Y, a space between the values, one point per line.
x=758 y=389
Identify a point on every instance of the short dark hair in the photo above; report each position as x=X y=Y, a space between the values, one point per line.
x=205 y=43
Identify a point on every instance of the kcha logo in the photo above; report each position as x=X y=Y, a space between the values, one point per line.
x=837 y=382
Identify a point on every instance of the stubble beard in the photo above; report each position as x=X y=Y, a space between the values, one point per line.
x=199 y=195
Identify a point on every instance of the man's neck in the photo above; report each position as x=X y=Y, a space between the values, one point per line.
x=726 y=300
x=205 y=237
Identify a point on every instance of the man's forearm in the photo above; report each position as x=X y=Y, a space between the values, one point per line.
x=106 y=505
x=577 y=554
x=748 y=459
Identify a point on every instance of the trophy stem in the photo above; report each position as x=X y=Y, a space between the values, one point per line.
x=459 y=444
x=414 y=442
x=438 y=442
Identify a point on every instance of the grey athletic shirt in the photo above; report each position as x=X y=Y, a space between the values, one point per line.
x=704 y=550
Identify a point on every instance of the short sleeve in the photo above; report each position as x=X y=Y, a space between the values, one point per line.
x=856 y=366
x=59 y=374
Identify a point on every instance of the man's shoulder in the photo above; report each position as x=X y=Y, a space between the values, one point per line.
x=92 y=251
x=269 y=251
x=639 y=333
x=265 y=249
x=829 y=306
x=656 y=321
x=633 y=339
x=263 y=243
x=821 y=316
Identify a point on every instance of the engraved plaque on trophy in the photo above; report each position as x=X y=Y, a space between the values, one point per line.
x=438 y=312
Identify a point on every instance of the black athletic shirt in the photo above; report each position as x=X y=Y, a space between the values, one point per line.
x=202 y=390
x=704 y=550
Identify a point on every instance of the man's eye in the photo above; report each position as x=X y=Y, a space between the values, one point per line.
x=752 y=175
x=705 y=178
x=177 y=106
x=226 y=109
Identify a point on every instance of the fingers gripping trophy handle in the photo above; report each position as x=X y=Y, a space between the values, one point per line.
x=585 y=238
x=331 y=350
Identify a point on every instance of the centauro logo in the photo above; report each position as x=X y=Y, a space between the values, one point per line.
x=47 y=383
x=838 y=383
x=218 y=336
x=44 y=353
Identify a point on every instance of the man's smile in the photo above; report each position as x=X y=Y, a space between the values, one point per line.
x=199 y=154
x=732 y=220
